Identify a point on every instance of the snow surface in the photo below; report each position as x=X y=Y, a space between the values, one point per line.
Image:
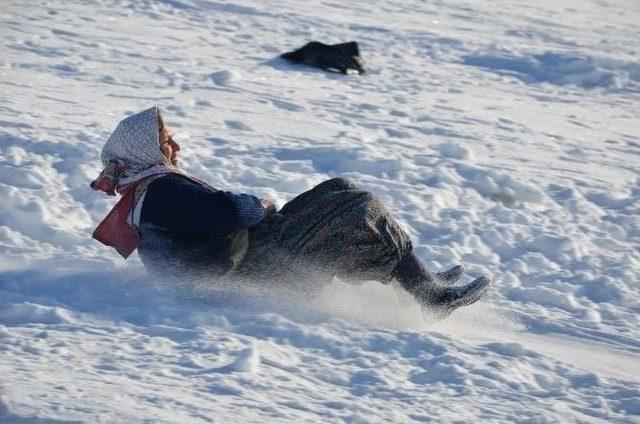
x=504 y=135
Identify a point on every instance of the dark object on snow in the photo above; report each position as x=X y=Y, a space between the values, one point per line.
x=343 y=58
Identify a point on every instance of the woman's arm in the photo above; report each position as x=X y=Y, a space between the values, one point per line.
x=181 y=206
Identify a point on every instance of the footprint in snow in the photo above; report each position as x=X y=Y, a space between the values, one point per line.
x=238 y=125
x=224 y=78
x=281 y=104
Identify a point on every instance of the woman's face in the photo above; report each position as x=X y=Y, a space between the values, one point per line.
x=168 y=145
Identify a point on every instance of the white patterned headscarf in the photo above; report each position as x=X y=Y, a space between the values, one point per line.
x=132 y=153
x=135 y=141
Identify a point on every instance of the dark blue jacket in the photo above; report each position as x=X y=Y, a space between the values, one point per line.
x=184 y=226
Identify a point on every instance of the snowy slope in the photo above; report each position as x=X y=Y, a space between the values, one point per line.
x=505 y=135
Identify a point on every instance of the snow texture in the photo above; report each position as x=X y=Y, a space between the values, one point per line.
x=503 y=135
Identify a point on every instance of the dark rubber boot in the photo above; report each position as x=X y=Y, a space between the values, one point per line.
x=435 y=293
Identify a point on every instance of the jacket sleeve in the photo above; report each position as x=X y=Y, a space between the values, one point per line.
x=180 y=206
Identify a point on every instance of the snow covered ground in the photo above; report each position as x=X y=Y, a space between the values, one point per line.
x=505 y=135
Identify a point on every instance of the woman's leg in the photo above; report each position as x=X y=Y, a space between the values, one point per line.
x=337 y=230
x=348 y=233
x=272 y=242
x=311 y=196
x=353 y=236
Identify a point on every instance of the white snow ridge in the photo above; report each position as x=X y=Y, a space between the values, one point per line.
x=503 y=135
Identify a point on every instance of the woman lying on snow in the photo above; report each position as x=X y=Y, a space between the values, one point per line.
x=182 y=226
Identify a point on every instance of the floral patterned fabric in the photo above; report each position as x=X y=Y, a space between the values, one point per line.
x=334 y=229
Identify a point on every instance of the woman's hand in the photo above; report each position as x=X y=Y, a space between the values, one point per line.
x=269 y=206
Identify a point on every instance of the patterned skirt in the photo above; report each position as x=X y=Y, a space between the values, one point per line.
x=334 y=229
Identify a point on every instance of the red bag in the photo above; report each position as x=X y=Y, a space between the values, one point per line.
x=115 y=231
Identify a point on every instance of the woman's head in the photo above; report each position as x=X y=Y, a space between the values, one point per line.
x=141 y=146
x=138 y=141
